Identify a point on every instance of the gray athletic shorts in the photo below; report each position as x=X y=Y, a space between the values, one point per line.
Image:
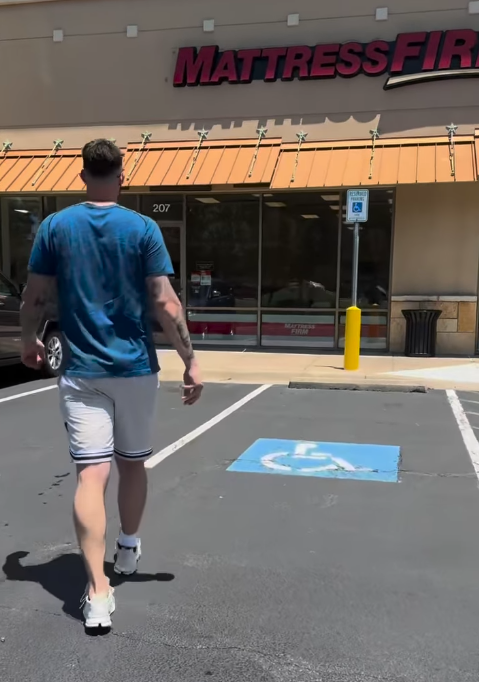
x=109 y=416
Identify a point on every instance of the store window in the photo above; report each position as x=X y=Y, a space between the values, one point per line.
x=222 y=236
x=24 y=217
x=374 y=331
x=66 y=200
x=223 y=327
x=300 y=246
x=222 y=240
x=128 y=200
x=374 y=254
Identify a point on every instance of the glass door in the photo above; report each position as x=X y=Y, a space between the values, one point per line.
x=173 y=236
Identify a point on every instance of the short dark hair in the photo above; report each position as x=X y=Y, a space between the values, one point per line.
x=102 y=158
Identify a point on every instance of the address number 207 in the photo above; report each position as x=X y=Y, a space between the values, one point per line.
x=161 y=208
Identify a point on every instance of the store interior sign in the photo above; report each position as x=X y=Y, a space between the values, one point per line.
x=411 y=58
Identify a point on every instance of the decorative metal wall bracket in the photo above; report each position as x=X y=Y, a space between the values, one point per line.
x=58 y=144
x=451 y=132
x=261 y=134
x=6 y=146
x=146 y=137
x=301 y=138
x=203 y=134
x=374 y=136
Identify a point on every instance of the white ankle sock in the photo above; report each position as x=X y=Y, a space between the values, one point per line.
x=127 y=540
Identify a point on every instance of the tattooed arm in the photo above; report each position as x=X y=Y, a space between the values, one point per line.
x=35 y=298
x=168 y=311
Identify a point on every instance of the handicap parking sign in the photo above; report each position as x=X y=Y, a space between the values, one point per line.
x=326 y=460
x=357 y=205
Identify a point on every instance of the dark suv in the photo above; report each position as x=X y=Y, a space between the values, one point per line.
x=10 y=331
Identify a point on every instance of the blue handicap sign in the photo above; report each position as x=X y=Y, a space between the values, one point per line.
x=358 y=207
x=325 y=460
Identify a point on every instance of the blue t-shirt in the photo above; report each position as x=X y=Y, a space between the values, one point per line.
x=101 y=256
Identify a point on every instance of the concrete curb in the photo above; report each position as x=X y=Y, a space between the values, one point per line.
x=338 y=386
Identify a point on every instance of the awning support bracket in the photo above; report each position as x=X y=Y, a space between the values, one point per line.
x=301 y=138
x=261 y=134
x=203 y=134
x=58 y=144
x=374 y=136
x=451 y=132
x=146 y=137
x=6 y=146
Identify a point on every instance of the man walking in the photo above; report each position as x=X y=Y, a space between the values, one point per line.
x=110 y=268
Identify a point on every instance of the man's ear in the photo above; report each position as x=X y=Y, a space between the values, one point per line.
x=122 y=178
x=82 y=175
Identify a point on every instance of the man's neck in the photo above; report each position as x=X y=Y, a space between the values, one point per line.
x=100 y=203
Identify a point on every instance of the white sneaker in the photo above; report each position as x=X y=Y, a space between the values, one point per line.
x=97 y=610
x=127 y=558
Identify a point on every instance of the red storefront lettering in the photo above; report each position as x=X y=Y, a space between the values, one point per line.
x=273 y=54
x=432 y=49
x=409 y=56
x=248 y=58
x=324 y=61
x=193 y=68
x=349 y=63
x=226 y=69
x=458 y=44
x=377 y=54
x=297 y=60
x=407 y=45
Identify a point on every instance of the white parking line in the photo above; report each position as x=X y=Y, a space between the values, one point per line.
x=170 y=449
x=468 y=436
x=22 y=395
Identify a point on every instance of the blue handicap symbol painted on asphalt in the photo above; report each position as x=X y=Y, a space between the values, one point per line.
x=358 y=207
x=326 y=460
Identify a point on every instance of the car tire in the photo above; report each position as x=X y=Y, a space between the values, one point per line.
x=54 y=343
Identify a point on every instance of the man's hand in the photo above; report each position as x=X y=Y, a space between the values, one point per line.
x=169 y=313
x=33 y=353
x=192 y=386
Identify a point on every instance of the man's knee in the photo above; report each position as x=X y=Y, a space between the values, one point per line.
x=94 y=474
x=129 y=467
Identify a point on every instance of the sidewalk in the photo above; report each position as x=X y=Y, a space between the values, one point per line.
x=281 y=368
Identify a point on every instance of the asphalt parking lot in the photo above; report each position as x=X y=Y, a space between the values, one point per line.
x=276 y=546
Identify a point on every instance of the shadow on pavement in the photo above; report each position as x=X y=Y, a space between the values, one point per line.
x=15 y=375
x=64 y=577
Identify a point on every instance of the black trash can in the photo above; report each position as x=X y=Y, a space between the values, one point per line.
x=421 y=330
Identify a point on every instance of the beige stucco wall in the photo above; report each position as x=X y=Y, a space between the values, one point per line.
x=436 y=240
x=99 y=77
x=435 y=262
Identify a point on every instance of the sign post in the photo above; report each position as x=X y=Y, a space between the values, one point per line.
x=357 y=212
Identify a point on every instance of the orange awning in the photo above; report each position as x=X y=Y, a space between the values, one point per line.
x=181 y=165
x=237 y=163
x=41 y=171
x=395 y=162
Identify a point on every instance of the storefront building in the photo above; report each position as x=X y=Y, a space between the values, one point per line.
x=243 y=125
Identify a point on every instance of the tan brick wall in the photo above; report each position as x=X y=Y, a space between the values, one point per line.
x=456 y=328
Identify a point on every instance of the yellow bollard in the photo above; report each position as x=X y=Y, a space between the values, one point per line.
x=352 y=338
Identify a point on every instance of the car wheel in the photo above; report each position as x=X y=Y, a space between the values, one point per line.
x=54 y=344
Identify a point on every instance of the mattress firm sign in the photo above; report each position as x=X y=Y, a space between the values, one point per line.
x=411 y=58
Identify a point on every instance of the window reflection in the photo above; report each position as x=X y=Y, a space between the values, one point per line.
x=230 y=328
x=300 y=245
x=172 y=236
x=24 y=216
x=374 y=254
x=222 y=251
x=374 y=331
x=66 y=200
